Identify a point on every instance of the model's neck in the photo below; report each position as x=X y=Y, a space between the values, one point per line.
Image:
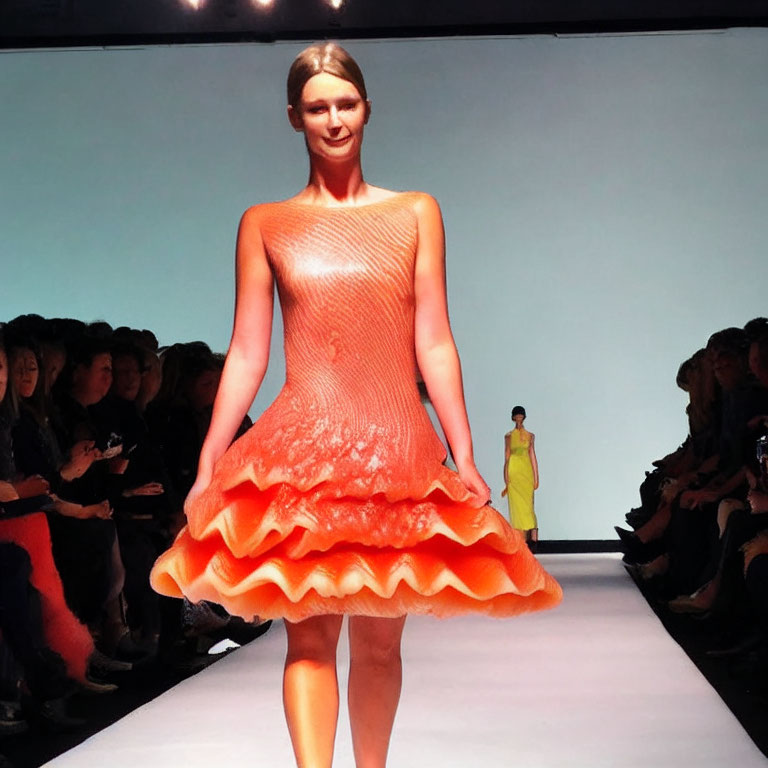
x=336 y=182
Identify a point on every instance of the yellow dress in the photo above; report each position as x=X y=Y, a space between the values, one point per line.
x=520 y=481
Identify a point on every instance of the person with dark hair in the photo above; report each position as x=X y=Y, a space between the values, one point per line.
x=181 y=412
x=337 y=500
x=87 y=551
x=756 y=328
x=37 y=457
x=143 y=510
x=521 y=477
x=28 y=530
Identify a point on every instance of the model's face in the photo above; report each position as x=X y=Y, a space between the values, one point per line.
x=518 y=419
x=25 y=372
x=332 y=115
x=3 y=374
x=126 y=377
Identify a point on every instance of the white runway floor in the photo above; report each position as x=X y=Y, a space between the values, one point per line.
x=596 y=682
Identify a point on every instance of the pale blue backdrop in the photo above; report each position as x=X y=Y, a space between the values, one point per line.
x=604 y=197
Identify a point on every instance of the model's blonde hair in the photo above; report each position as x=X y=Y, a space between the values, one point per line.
x=322 y=57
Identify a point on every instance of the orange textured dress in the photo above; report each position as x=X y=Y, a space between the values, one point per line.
x=337 y=499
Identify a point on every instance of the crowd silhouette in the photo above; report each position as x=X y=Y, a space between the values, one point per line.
x=699 y=539
x=100 y=432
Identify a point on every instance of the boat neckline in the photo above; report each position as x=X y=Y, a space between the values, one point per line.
x=391 y=198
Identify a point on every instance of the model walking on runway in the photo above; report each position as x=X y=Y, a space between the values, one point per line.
x=337 y=501
x=521 y=477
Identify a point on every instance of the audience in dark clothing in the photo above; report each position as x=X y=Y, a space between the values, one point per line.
x=93 y=473
x=700 y=536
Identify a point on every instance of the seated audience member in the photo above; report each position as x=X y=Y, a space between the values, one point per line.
x=87 y=551
x=28 y=530
x=182 y=411
x=676 y=472
x=144 y=513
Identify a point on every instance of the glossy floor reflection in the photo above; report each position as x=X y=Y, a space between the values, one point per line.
x=596 y=682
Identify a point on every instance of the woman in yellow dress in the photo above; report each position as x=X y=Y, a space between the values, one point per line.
x=521 y=477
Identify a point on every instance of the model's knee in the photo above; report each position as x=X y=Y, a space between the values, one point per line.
x=312 y=641
x=317 y=653
x=384 y=654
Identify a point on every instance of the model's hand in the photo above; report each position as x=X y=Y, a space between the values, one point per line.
x=201 y=483
x=473 y=480
x=536 y=485
x=504 y=492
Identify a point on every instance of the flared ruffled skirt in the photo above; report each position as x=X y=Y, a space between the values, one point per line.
x=277 y=550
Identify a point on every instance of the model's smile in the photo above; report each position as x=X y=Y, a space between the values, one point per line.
x=338 y=141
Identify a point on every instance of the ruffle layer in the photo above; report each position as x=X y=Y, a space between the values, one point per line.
x=360 y=462
x=287 y=553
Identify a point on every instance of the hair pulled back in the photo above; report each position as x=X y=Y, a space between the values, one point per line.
x=322 y=57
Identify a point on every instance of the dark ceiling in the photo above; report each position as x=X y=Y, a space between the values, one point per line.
x=56 y=23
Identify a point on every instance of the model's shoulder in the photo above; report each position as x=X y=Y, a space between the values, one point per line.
x=255 y=213
x=421 y=202
x=262 y=213
x=424 y=207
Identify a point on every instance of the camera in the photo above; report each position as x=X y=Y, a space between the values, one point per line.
x=109 y=443
x=761 y=450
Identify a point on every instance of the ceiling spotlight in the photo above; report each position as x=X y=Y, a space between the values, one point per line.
x=194 y=4
x=336 y=4
x=264 y=3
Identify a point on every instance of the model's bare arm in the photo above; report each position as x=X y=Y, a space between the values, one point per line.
x=506 y=464
x=534 y=463
x=248 y=352
x=436 y=352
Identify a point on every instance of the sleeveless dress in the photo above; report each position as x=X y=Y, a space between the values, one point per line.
x=337 y=500
x=520 y=482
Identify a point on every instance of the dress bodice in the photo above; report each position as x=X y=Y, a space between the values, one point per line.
x=349 y=410
x=519 y=443
x=345 y=280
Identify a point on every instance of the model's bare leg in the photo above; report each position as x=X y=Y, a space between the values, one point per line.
x=310 y=689
x=375 y=678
